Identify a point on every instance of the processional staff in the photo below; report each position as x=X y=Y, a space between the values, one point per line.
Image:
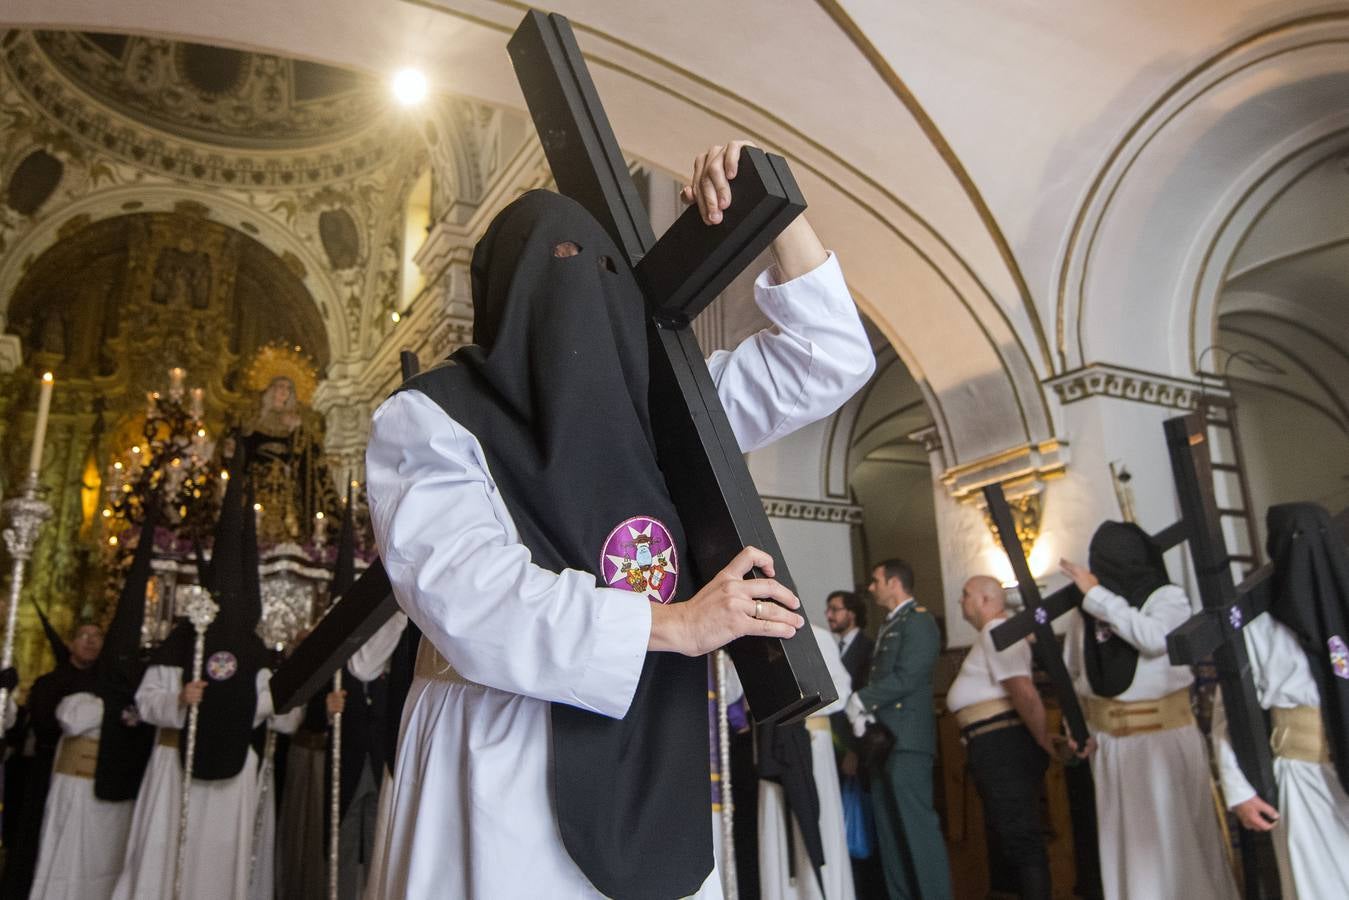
x=729 y=877
x=335 y=794
x=26 y=514
x=201 y=612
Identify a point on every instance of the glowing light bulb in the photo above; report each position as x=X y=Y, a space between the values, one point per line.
x=112 y=541
x=319 y=515
x=107 y=513
x=395 y=317
x=409 y=87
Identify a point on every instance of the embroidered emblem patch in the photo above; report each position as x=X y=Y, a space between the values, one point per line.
x=640 y=554
x=1339 y=656
x=1235 y=617
x=1103 y=632
x=131 y=716
x=1041 y=615
x=221 y=666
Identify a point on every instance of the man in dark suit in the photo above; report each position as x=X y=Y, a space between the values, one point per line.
x=846 y=613
x=898 y=695
x=847 y=617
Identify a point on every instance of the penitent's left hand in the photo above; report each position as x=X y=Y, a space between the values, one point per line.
x=712 y=173
x=1080 y=575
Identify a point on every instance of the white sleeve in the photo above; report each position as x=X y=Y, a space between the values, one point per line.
x=286 y=723
x=1014 y=662
x=157 y=697
x=833 y=661
x=369 y=661
x=1144 y=629
x=79 y=713
x=500 y=620
x=802 y=369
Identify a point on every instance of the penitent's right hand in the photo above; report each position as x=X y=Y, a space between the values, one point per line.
x=1256 y=814
x=190 y=695
x=724 y=610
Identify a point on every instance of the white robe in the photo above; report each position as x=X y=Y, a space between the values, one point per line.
x=1157 y=821
x=220 y=827
x=1311 y=840
x=774 y=866
x=471 y=809
x=83 y=837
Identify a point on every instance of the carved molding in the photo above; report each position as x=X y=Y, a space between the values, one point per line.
x=1018 y=469
x=812 y=510
x=1121 y=383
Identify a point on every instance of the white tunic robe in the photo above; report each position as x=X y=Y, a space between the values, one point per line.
x=83 y=837
x=775 y=845
x=220 y=826
x=1311 y=840
x=471 y=809
x=1157 y=822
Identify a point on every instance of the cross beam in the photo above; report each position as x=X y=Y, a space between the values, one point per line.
x=1046 y=645
x=1217 y=629
x=1066 y=598
x=1226 y=610
x=679 y=275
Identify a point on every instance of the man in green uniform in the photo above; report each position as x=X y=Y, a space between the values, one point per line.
x=898 y=695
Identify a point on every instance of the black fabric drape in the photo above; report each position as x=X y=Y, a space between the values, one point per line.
x=785 y=758
x=1311 y=597
x=1126 y=562
x=555 y=391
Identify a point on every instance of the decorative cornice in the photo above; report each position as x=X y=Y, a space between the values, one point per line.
x=1123 y=383
x=812 y=510
x=1019 y=469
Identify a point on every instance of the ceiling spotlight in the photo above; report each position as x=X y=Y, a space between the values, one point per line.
x=409 y=87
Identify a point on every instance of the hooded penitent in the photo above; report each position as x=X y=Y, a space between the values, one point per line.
x=1126 y=562
x=555 y=390
x=234 y=652
x=60 y=652
x=1311 y=596
x=124 y=742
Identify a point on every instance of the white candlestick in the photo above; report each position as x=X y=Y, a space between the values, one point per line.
x=44 y=406
x=198 y=407
x=176 y=375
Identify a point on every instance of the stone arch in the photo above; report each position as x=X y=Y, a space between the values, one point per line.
x=1184 y=184
x=932 y=281
x=310 y=269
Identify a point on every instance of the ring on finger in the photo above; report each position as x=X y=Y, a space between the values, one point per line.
x=758 y=609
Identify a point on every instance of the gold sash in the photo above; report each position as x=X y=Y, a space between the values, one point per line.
x=1121 y=719
x=977 y=712
x=168 y=737
x=430 y=664
x=76 y=756
x=1299 y=733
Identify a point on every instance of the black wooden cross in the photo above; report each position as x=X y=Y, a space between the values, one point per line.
x=1036 y=617
x=679 y=275
x=1216 y=630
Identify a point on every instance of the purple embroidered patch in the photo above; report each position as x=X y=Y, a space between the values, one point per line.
x=1041 y=615
x=1103 y=632
x=221 y=666
x=1339 y=656
x=1235 y=617
x=640 y=554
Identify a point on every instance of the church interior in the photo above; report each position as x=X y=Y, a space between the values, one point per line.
x=1063 y=224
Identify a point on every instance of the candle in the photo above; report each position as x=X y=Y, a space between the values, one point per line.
x=197 y=405
x=176 y=375
x=44 y=406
